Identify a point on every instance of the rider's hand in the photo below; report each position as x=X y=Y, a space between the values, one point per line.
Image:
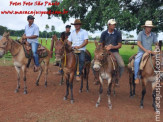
x=24 y=37
x=108 y=47
x=77 y=47
x=148 y=51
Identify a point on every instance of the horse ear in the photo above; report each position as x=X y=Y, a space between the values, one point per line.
x=96 y=43
x=102 y=45
x=54 y=37
x=6 y=34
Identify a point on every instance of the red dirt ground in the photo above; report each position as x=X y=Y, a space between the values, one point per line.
x=47 y=105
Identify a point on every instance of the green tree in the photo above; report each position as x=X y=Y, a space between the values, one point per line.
x=129 y=14
x=52 y=29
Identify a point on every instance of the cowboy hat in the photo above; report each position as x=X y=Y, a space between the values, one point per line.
x=148 y=23
x=76 y=22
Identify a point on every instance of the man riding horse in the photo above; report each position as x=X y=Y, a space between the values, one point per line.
x=112 y=40
x=79 y=39
x=31 y=35
x=145 y=40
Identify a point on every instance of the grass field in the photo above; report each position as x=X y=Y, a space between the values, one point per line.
x=125 y=51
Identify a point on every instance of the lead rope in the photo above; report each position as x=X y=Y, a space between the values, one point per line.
x=65 y=58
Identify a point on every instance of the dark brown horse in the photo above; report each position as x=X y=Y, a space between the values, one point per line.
x=65 y=54
x=104 y=64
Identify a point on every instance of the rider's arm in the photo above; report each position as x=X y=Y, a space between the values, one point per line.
x=84 y=43
x=117 y=46
x=140 y=45
x=35 y=35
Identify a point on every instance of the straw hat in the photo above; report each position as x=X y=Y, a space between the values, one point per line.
x=111 y=21
x=77 y=22
x=148 y=23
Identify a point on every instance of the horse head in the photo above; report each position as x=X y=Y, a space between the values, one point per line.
x=100 y=56
x=59 y=50
x=4 y=45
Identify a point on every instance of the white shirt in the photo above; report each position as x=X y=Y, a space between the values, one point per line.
x=30 y=31
x=77 y=39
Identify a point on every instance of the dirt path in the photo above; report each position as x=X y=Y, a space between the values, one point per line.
x=47 y=105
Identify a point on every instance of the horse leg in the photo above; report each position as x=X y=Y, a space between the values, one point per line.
x=38 y=78
x=61 y=82
x=134 y=85
x=81 y=86
x=114 y=89
x=71 y=87
x=18 y=79
x=143 y=92
x=24 y=78
x=67 y=87
x=46 y=73
x=130 y=82
x=100 y=92
x=154 y=95
x=109 y=93
x=87 y=74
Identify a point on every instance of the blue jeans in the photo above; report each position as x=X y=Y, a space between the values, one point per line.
x=35 y=55
x=81 y=61
x=137 y=63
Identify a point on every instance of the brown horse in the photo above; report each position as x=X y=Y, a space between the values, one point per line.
x=65 y=54
x=19 y=59
x=131 y=78
x=104 y=64
x=150 y=73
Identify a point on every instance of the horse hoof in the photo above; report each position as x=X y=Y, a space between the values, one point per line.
x=72 y=101
x=110 y=107
x=97 y=104
x=131 y=96
x=25 y=92
x=65 y=98
x=141 y=107
x=16 y=91
x=80 y=91
x=60 y=84
x=45 y=86
x=87 y=90
x=37 y=84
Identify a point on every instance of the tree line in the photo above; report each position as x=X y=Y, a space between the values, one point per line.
x=19 y=33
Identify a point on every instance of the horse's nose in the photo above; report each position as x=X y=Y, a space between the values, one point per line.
x=1 y=54
x=96 y=67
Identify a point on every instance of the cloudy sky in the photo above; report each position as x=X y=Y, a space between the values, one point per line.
x=18 y=21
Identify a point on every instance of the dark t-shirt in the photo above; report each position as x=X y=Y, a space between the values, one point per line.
x=113 y=39
x=64 y=35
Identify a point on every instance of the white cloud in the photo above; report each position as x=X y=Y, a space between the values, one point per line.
x=17 y=22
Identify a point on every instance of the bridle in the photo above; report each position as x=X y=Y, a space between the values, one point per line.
x=101 y=62
x=5 y=47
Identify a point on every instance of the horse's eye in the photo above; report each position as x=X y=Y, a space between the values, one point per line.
x=102 y=54
x=5 y=43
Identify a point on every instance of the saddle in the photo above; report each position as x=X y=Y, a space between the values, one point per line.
x=87 y=58
x=113 y=59
x=142 y=62
x=41 y=51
